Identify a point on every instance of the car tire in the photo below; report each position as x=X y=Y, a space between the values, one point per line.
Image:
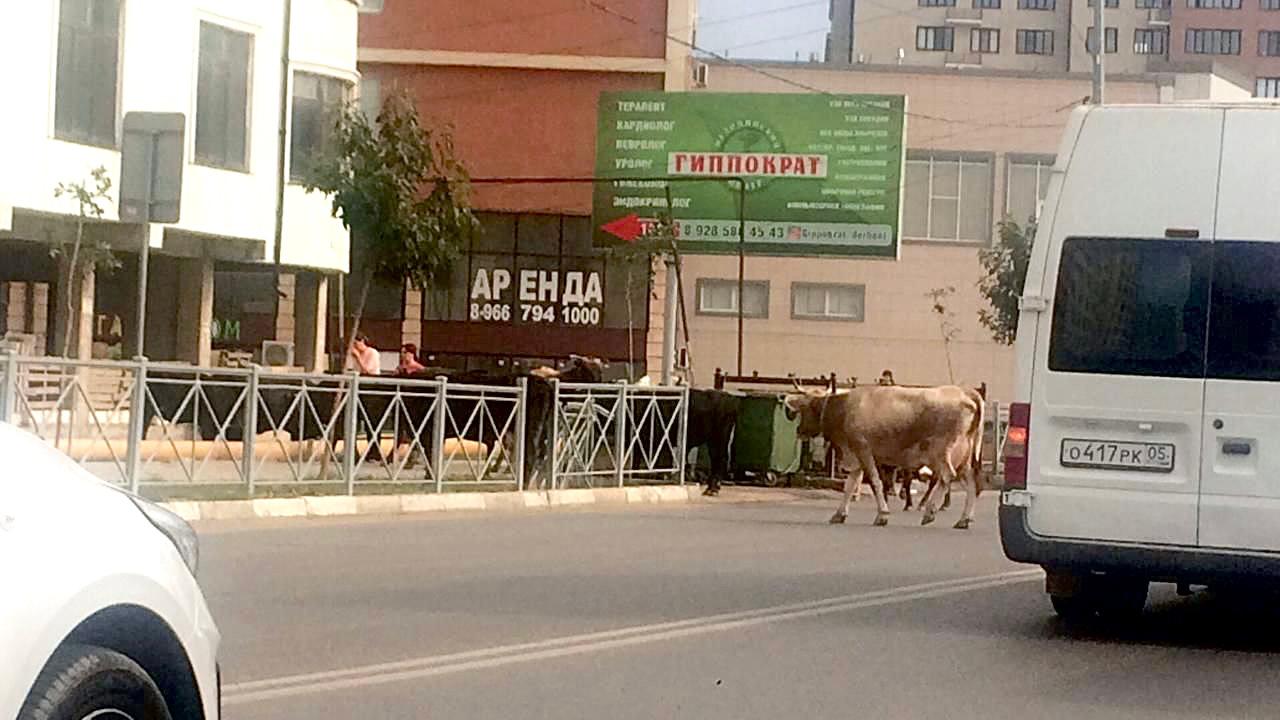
x=1074 y=608
x=84 y=681
x=1123 y=600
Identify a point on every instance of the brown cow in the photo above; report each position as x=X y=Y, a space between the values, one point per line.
x=938 y=427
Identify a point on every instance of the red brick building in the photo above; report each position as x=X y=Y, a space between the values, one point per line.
x=519 y=84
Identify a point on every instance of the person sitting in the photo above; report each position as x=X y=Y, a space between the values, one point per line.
x=366 y=357
x=409 y=364
x=886 y=378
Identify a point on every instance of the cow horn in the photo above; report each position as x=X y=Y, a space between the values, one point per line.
x=796 y=384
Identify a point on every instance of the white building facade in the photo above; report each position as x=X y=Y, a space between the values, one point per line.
x=76 y=67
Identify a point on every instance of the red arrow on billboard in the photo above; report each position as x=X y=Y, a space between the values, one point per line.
x=627 y=228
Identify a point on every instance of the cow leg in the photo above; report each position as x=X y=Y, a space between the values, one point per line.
x=868 y=463
x=970 y=498
x=946 y=498
x=908 y=477
x=942 y=476
x=852 y=483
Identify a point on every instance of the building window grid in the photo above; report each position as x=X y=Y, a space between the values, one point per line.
x=1113 y=40
x=838 y=302
x=1269 y=43
x=1110 y=3
x=1267 y=87
x=961 y=163
x=223 y=91
x=936 y=3
x=1153 y=4
x=1037 y=4
x=1212 y=42
x=1041 y=167
x=1035 y=42
x=87 y=83
x=935 y=39
x=984 y=40
x=1215 y=4
x=1150 y=42
x=992 y=4
x=720 y=297
x=1269 y=4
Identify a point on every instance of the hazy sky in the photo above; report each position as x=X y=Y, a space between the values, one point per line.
x=748 y=28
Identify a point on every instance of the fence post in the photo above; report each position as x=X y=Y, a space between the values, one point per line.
x=437 y=433
x=522 y=407
x=683 y=459
x=137 y=431
x=555 y=435
x=9 y=386
x=349 y=425
x=249 y=443
x=620 y=442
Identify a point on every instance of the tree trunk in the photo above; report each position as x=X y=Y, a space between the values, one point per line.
x=631 y=340
x=72 y=325
x=366 y=279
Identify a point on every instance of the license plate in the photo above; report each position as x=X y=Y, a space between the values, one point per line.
x=1117 y=455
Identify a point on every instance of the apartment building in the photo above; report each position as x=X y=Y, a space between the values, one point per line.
x=1059 y=35
x=981 y=146
x=518 y=86
x=85 y=64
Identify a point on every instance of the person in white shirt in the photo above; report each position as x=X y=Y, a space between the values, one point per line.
x=366 y=356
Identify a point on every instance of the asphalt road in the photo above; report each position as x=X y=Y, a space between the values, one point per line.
x=717 y=611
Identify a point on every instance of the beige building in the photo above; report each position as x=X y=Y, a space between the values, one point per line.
x=980 y=148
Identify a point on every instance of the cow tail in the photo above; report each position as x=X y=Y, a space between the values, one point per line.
x=979 y=431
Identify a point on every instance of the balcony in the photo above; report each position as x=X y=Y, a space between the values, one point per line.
x=959 y=60
x=964 y=16
x=1159 y=16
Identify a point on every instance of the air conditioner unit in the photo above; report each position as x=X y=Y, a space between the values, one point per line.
x=277 y=354
x=701 y=71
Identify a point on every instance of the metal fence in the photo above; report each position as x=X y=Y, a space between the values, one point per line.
x=204 y=431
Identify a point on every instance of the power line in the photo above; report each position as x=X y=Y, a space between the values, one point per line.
x=760 y=13
x=780 y=38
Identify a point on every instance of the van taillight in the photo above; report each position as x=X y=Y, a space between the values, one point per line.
x=1016 y=442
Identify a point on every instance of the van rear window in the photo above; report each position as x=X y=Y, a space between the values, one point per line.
x=1244 y=324
x=1131 y=307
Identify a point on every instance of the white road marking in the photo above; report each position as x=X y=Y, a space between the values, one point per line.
x=488 y=658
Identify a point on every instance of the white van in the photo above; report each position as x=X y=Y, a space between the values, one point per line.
x=1145 y=446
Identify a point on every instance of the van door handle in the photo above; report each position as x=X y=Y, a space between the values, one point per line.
x=1236 y=448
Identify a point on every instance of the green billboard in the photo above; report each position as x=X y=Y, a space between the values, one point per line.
x=823 y=173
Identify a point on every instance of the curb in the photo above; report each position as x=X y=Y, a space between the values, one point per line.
x=337 y=506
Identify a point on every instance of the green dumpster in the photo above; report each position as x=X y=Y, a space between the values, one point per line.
x=765 y=442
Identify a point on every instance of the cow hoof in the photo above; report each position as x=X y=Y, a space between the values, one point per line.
x=837 y=519
x=710 y=492
x=927 y=519
x=882 y=519
x=962 y=524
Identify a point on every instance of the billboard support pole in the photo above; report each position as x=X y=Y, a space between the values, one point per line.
x=742 y=262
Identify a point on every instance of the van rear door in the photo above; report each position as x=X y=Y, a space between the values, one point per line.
x=1240 y=485
x=1118 y=384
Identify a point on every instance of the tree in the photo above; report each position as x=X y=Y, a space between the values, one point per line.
x=940 y=296
x=1005 y=265
x=399 y=189
x=84 y=254
x=637 y=257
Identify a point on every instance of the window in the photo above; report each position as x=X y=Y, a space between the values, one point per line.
x=88 y=71
x=1151 y=42
x=1214 y=4
x=1268 y=87
x=1269 y=43
x=1028 y=184
x=317 y=101
x=1213 y=42
x=1270 y=4
x=948 y=197
x=984 y=40
x=992 y=4
x=1244 y=320
x=1035 y=42
x=935 y=38
x=1152 y=4
x=1110 y=3
x=811 y=301
x=1113 y=40
x=1036 y=4
x=720 y=297
x=1131 y=307
x=222 y=97
x=937 y=3
x=370 y=97
x=371 y=6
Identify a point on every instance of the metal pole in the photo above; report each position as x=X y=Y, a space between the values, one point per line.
x=522 y=406
x=555 y=434
x=742 y=262
x=9 y=386
x=669 y=321
x=684 y=432
x=137 y=431
x=1099 y=52
x=249 y=444
x=349 y=432
x=281 y=154
x=144 y=252
x=437 y=434
x=620 y=441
